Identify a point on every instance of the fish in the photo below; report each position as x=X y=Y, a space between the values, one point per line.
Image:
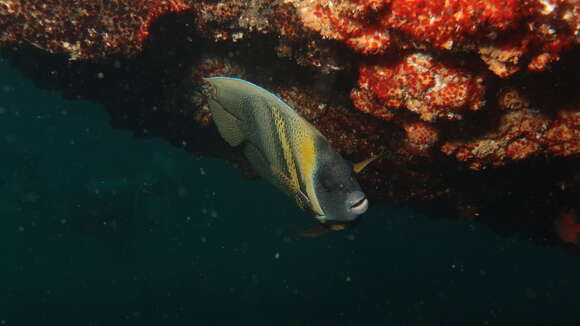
x=288 y=151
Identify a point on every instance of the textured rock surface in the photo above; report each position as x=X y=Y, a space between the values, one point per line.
x=82 y=29
x=456 y=94
x=420 y=84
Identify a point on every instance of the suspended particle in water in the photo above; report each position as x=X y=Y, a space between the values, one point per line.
x=182 y=192
x=277 y=255
x=7 y=88
x=10 y=139
x=203 y=239
x=30 y=197
x=255 y=279
x=202 y=171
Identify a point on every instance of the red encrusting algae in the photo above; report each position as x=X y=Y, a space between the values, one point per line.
x=568 y=227
x=505 y=32
x=420 y=84
x=420 y=137
x=445 y=23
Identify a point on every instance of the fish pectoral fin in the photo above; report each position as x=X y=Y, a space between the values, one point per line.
x=358 y=167
x=228 y=125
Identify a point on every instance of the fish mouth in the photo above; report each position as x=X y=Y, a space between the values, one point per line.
x=360 y=206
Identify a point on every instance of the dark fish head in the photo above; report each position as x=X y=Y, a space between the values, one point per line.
x=339 y=194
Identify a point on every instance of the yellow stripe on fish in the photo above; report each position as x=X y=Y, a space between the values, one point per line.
x=307 y=162
x=287 y=152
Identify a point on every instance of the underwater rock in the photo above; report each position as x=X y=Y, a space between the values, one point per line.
x=456 y=94
x=538 y=31
x=520 y=135
x=86 y=30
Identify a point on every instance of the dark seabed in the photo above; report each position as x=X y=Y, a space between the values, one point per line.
x=100 y=228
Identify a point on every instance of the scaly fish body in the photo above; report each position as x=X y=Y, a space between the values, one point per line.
x=286 y=150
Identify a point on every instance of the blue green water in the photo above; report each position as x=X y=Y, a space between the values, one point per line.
x=100 y=228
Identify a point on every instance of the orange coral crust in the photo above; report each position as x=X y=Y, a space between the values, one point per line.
x=542 y=29
x=512 y=99
x=420 y=135
x=421 y=85
x=520 y=135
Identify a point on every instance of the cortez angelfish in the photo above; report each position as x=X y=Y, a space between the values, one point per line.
x=287 y=150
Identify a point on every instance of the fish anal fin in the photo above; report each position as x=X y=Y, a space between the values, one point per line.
x=228 y=125
x=321 y=229
x=314 y=232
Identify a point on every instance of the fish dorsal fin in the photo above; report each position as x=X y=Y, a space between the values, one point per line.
x=244 y=86
x=358 y=167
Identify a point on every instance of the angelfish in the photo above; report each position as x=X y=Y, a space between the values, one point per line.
x=288 y=151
